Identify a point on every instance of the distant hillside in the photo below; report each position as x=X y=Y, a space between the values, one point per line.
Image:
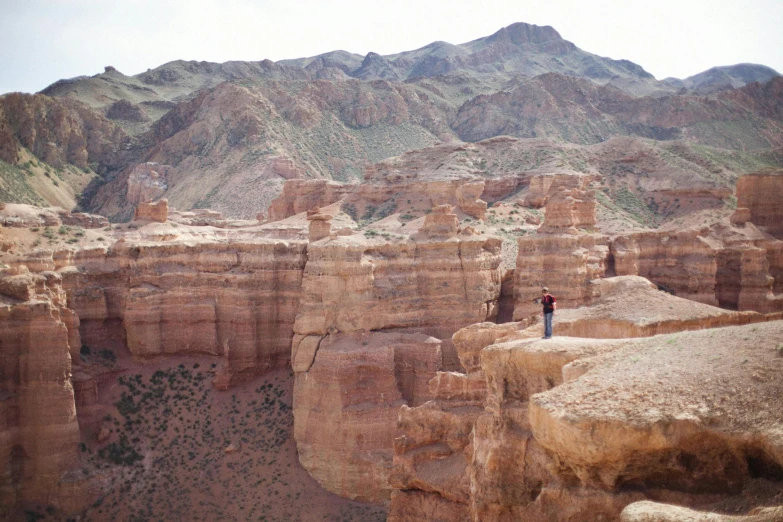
x=228 y=135
x=725 y=78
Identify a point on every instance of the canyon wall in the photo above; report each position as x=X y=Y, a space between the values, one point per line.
x=367 y=341
x=39 y=432
x=233 y=299
x=519 y=445
x=761 y=193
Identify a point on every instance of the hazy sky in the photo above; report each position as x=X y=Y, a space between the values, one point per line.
x=42 y=41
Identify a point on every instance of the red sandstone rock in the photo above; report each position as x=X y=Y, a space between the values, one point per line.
x=40 y=433
x=346 y=404
x=440 y=223
x=438 y=286
x=319 y=224
x=236 y=300
x=302 y=195
x=611 y=420
x=761 y=193
x=741 y=216
x=564 y=264
x=568 y=210
x=158 y=211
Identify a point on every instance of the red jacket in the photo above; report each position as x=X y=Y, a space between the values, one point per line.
x=549 y=303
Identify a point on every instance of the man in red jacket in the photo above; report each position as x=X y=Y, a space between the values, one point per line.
x=550 y=305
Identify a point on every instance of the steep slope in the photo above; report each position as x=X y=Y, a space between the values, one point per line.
x=51 y=149
x=579 y=111
x=152 y=94
x=233 y=146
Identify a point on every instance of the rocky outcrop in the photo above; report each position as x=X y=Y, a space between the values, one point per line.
x=363 y=291
x=236 y=300
x=544 y=186
x=27 y=216
x=58 y=131
x=473 y=450
x=730 y=266
x=432 y=455
x=346 y=405
x=147 y=182
x=125 y=110
x=319 y=227
x=39 y=433
x=149 y=211
x=610 y=429
x=564 y=263
x=438 y=286
x=84 y=220
x=653 y=312
x=542 y=447
x=761 y=194
x=441 y=223
x=568 y=210
x=684 y=261
x=301 y=195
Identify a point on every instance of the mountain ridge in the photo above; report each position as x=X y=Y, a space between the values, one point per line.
x=231 y=133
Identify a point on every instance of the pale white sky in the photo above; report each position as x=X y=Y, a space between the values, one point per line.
x=42 y=41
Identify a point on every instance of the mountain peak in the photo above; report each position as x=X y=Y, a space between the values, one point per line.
x=522 y=33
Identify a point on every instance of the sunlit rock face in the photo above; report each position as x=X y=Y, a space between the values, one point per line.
x=356 y=358
x=39 y=432
x=761 y=194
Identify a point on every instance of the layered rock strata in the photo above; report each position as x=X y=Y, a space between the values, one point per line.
x=698 y=438
x=735 y=267
x=39 y=432
x=631 y=306
x=26 y=216
x=302 y=195
x=473 y=451
x=354 y=294
x=149 y=211
x=231 y=299
x=564 y=263
x=433 y=453
x=346 y=405
x=761 y=194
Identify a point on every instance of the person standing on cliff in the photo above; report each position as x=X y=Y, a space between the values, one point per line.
x=550 y=305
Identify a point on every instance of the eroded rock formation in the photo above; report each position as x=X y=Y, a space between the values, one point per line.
x=564 y=263
x=149 y=211
x=761 y=194
x=39 y=433
x=346 y=405
x=502 y=471
x=402 y=389
x=358 y=290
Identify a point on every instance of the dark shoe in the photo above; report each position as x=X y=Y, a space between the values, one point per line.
x=547 y=337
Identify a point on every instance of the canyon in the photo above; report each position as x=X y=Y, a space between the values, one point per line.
x=310 y=290
x=417 y=377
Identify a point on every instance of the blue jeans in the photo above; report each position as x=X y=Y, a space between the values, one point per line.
x=548 y=324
